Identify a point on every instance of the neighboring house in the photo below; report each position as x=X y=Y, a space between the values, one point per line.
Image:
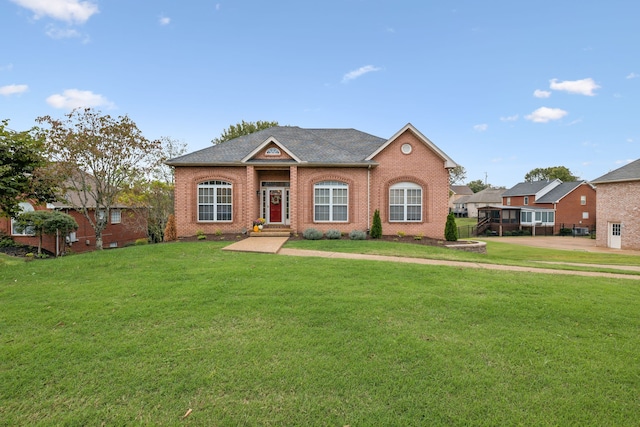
x=325 y=179
x=488 y=197
x=124 y=226
x=618 y=208
x=458 y=194
x=545 y=207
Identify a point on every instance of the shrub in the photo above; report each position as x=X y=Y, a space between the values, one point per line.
x=376 y=227
x=333 y=234
x=506 y=233
x=358 y=235
x=417 y=237
x=401 y=234
x=170 y=231
x=312 y=234
x=200 y=235
x=566 y=232
x=450 y=229
x=526 y=232
x=140 y=242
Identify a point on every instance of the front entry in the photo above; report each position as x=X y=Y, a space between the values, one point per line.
x=275 y=206
x=274 y=202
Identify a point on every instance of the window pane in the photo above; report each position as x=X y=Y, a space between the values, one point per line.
x=396 y=213
x=322 y=213
x=339 y=213
x=413 y=213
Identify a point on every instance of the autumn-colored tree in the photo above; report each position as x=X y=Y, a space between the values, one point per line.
x=22 y=167
x=98 y=156
x=243 y=128
x=171 y=232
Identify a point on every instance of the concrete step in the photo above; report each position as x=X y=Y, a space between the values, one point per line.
x=271 y=232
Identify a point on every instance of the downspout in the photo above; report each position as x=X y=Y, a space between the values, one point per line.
x=368 y=197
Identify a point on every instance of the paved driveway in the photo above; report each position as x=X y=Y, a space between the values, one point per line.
x=560 y=242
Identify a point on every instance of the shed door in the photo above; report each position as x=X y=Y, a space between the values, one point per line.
x=615 y=230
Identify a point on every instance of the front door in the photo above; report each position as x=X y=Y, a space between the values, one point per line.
x=275 y=205
x=615 y=230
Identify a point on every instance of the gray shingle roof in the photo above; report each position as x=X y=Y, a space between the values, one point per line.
x=462 y=189
x=629 y=172
x=559 y=192
x=526 y=188
x=324 y=146
x=488 y=195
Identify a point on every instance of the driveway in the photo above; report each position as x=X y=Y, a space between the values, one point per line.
x=560 y=242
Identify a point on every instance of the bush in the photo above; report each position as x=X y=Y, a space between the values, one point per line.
x=200 y=235
x=450 y=229
x=376 y=227
x=333 y=234
x=358 y=235
x=566 y=232
x=140 y=242
x=312 y=234
x=401 y=234
x=170 y=231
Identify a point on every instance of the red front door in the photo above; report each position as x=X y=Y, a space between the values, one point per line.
x=275 y=205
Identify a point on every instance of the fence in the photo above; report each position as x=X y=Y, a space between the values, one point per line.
x=493 y=229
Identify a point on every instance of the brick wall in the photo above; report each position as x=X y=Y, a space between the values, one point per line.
x=619 y=203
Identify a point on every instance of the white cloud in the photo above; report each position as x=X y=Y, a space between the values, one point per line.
x=164 y=20
x=541 y=93
x=351 y=75
x=74 y=98
x=72 y=11
x=546 y=114
x=481 y=128
x=7 y=67
x=13 y=89
x=61 y=33
x=580 y=87
x=509 y=118
x=633 y=76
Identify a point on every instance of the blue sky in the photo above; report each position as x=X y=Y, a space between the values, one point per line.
x=502 y=87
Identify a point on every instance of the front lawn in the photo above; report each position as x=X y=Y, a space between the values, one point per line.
x=146 y=335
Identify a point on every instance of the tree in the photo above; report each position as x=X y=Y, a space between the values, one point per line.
x=457 y=174
x=376 y=227
x=22 y=170
x=549 y=174
x=243 y=128
x=450 y=229
x=477 y=185
x=153 y=198
x=170 y=232
x=45 y=222
x=98 y=156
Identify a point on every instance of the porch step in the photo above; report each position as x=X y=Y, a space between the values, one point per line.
x=271 y=232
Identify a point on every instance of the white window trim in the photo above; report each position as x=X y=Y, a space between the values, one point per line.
x=332 y=186
x=116 y=216
x=28 y=231
x=404 y=187
x=215 y=186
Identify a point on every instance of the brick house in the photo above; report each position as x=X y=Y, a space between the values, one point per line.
x=545 y=207
x=124 y=227
x=618 y=208
x=325 y=179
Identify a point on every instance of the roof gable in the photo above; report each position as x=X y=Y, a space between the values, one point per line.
x=448 y=162
x=629 y=172
x=267 y=142
x=558 y=193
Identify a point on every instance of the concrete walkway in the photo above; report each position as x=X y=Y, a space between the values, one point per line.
x=273 y=245
x=267 y=245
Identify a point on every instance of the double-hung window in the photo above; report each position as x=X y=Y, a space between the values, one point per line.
x=214 y=201
x=26 y=231
x=405 y=202
x=331 y=201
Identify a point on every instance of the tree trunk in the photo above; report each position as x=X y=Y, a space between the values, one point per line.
x=99 y=241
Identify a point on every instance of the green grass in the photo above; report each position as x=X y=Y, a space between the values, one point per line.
x=498 y=252
x=141 y=335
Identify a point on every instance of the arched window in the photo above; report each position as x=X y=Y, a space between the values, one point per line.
x=405 y=202
x=214 y=201
x=28 y=231
x=330 y=201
